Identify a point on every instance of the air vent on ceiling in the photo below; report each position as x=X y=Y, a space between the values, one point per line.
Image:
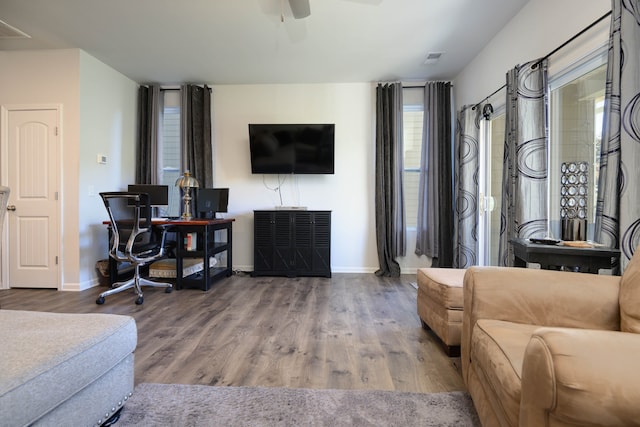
x=433 y=57
x=9 y=32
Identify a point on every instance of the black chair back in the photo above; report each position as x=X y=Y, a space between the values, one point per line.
x=130 y=217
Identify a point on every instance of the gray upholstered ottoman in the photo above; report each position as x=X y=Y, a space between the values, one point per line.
x=64 y=369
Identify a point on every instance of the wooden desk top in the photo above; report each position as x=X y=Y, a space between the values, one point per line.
x=193 y=221
x=179 y=221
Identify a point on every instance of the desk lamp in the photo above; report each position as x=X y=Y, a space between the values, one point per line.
x=186 y=182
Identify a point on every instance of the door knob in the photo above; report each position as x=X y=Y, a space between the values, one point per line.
x=11 y=208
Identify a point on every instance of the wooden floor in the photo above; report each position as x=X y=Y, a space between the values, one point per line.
x=353 y=331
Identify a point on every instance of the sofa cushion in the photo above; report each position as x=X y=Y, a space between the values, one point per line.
x=49 y=357
x=498 y=349
x=630 y=296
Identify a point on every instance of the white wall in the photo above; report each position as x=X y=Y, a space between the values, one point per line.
x=539 y=28
x=108 y=126
x=52 y=77
x=348 y=193
x=98 y=115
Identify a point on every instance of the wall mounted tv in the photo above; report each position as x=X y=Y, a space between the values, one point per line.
x=292 y=148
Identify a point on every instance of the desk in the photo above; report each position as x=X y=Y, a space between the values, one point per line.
x=552 y=257
x=207 y=246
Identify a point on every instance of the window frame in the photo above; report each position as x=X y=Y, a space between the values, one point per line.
x=171 y=104
x=411 y=220
x=560 y=74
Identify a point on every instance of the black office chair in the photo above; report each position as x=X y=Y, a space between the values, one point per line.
x=133 y=240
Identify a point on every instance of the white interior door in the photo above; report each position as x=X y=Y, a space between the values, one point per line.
x=31 y=143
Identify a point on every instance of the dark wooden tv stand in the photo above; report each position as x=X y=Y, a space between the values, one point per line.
x=292 y=243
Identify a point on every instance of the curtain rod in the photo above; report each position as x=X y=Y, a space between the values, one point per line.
x=489 y=96
x=593 y=24
x=422 y=86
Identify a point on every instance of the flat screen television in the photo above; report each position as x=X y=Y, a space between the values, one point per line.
x=292 y=148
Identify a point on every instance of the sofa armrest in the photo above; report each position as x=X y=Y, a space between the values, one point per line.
x=538 y=297
x=581 y=377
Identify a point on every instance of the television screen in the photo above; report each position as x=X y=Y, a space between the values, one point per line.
x=292 y=148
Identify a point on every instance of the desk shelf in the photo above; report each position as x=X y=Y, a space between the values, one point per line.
x=207 y=245
x=198 y=280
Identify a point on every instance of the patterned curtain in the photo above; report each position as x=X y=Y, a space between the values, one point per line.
x=618 y=204
x=435 y=224
x=150 y=106
x=195 y=129
x=524 y=177
x=466 y=178
x=390 y=217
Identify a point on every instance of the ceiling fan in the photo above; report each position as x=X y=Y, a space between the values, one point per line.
x=301 y=8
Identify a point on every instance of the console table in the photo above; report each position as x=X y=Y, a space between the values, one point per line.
x=292 y=243
x=552 y=257
x=207 y=246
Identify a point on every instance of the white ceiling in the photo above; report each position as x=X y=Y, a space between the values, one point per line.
x=244 y=41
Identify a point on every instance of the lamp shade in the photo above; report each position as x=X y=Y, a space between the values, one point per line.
x=187 y=181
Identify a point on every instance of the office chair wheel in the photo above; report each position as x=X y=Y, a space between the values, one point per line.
x=100 y=300
x=168 y=290
x=140 y=300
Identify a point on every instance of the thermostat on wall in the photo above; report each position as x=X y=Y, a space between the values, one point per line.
x=102 y=159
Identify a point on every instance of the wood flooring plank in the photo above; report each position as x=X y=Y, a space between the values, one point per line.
x=350 y=331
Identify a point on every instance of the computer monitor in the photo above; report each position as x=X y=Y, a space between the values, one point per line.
x=211 y=200
x=158 y=194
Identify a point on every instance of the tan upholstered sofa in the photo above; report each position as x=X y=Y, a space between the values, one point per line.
x=550 y=348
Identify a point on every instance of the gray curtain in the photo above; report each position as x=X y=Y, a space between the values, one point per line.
x=525 y=177
x=389 y=206
x=149 y=136
x=195 y=130
x=618 y=204
x=466 y=167
x=435 y=229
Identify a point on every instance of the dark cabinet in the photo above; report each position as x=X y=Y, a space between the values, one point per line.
x=292 y=243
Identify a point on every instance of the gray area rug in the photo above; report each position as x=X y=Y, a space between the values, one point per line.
x=197 y=405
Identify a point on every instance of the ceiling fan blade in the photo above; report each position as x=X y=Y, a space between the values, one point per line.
x=300 y=8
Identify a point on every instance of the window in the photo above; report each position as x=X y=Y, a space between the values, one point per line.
x=170 y=151
x=412 y=117
x=492 y=136
x=576 y=107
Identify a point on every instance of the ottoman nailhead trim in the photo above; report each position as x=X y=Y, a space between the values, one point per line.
x=113 y=410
